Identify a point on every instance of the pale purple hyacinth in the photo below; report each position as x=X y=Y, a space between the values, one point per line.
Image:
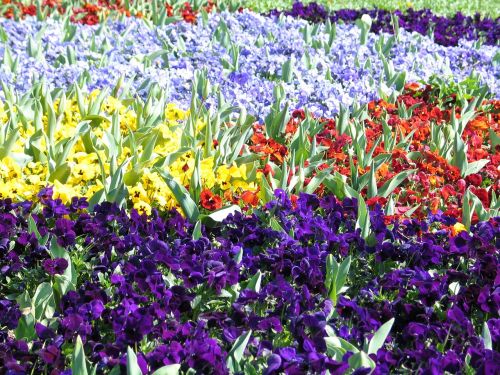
x=259 y=67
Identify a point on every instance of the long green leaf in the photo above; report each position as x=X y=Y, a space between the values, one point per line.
x=394 y=182
x=168 y=370
x=379 y=337
x=187 y=204
x=132 y=365
x=235 y=355
x=79 y=363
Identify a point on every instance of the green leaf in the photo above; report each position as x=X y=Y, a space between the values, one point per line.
x=32 y=228
x=195 y=183
x=235 y=355
x=97 y=198
x=495 y=139
x=7 y=146
x=26 y=328
x=336 y=276
x=68 y=280
x=379 y=337
x=220 y=215
x=460 y=154
x=168 y=370
x=372 y=183
x=287 y=70
x=250 y=370
x=197 y=231
x=361 y=359
x=61 y=173
x=475 y=167
x=316 y=181
x=78 y=362
x=488 y=344
x=338 y=342
x=44 y=303
x=255 y=282
x=187 y=204
x=363 y=221
x=394 y=182
x=132 y=365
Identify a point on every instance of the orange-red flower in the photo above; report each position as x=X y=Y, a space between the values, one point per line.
x=210 y=201
x=251 y=198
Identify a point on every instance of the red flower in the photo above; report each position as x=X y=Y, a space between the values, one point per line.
x=474 y=179
x=210 y=201
x=482 y=194
x=250 y=198
x=268 y=170
x=29 y=10
x=371 y=202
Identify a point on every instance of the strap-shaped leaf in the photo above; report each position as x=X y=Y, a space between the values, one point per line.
x=394 y=182
x=363 y=221
x=220 y=215
x=361 y=359
x=379 y=337
x=44 y=303
x=168 y=370
x=255 y=282
x=78 y=362
x=338 y=342
x=475 y=167
x=488 y=344
x=132 y=365
x=235 y=355
x=182 y=196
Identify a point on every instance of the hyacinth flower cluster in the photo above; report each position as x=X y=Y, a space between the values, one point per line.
x=245 y=54
x=292 y=288
x=446 y=31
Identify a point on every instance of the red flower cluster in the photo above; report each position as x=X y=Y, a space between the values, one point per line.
x=90 y=12
x=18 y=7
x=436 y=184
x=260 y=144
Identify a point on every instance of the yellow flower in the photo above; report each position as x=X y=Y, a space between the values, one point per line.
x=143 y=207
x=457 y=228
x=138 y=193
x=65 y=192
x=92 y=189
x=173 y=113
x=12 y=189
x=9 y=169
x=128 y=121
x=112 y=104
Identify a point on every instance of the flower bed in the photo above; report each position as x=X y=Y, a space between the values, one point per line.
x=422 y=154
x=262 y=292
x=191 y=192
x=245 y=54
x=447 y=31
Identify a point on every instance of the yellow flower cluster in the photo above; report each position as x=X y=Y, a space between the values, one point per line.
x=22 y=175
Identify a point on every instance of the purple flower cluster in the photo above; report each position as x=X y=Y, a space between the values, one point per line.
x=447 y=31
x=145 y=282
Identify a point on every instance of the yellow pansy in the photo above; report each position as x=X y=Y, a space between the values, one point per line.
x=457 y=228
x=65 y=192
x=137 y=193
x=143 y=207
